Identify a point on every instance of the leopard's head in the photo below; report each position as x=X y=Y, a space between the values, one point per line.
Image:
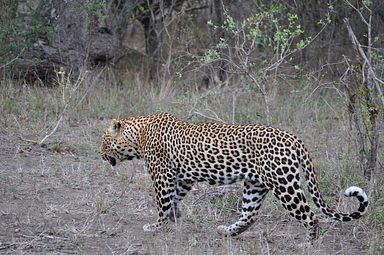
x=120 y=142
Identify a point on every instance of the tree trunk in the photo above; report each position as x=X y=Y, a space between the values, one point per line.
x=152 y=43
x=219 y=68
x=80 y=39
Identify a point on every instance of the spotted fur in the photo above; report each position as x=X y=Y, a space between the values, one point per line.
x=179 y=153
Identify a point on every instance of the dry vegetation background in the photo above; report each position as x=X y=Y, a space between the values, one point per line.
x=58 y=197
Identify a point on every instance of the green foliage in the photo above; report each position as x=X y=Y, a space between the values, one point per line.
x=258 y=44
x=222 y=44
x=18 y=31
x=367 y=3
x=209 y=56
x=327 y=19
x=272 y=27
x=12 y=42
x=96 y=10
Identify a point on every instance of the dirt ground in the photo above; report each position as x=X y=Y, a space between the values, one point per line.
x=60 y=198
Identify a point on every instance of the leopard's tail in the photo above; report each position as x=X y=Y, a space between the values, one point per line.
x=312 y=185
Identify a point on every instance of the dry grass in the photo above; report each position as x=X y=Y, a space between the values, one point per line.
x=59 y=198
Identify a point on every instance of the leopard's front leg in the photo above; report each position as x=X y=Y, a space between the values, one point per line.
x=164 y=184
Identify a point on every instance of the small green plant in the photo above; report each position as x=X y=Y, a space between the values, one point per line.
x=97 y=10
x=101 y=207
x=268 y=28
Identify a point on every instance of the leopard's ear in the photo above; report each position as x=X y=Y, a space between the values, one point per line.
x=114 y=129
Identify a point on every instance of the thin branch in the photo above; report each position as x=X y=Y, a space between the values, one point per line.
x=277 y=63
x=196 y=8
x=10 y=62
x=362 y=54
x=358 y=11
x=56 y=126
x=13 y=60
x=215 y=118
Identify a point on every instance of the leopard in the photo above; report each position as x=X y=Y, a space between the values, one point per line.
x=180 y=153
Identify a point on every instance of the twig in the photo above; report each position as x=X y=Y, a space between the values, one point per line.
x=28 y=140
x=233 y=107
x=10 y=62
x=56 y=126
x=196 y=8
x=359 y=12
x=216 y=118
x=13 y=60
x=48 y=135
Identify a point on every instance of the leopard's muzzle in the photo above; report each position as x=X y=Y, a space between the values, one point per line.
x=111 y=160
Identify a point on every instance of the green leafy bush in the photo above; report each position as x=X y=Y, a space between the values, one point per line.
x=19 y=30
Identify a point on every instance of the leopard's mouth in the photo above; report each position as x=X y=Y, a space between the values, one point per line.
x=111 y=160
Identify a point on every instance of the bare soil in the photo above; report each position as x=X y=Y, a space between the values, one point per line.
x=60 y=198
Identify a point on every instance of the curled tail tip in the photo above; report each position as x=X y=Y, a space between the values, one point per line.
x=358 y=192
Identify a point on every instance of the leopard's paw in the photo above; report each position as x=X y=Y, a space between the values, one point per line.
x=151 y=227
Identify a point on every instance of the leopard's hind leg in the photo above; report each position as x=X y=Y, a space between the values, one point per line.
x=293 y=200
x=254 y=194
